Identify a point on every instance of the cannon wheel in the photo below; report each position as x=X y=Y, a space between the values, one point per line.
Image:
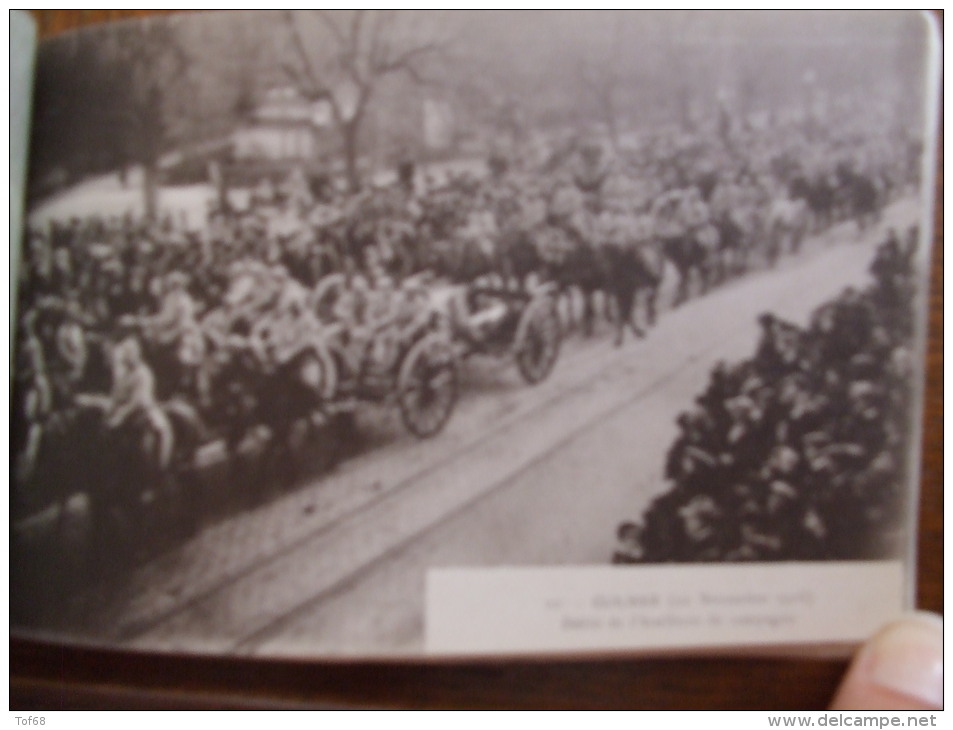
x=427 y=386
x=326 y=293
x=537 y=341
x=319 y=372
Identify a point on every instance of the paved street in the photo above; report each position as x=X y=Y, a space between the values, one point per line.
x=521 y=476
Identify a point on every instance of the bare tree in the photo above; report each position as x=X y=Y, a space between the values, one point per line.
x=348 y=62
x=150 y=63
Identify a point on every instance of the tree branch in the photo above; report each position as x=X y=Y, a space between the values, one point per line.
x=356 y=21
x=377 y=51
x=335 y=29
x=305 y=79
x=365 y=47
x=403 y=61
x=348 y=55
x=314 y=83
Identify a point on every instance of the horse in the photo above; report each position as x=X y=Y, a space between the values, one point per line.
x=247 y=393
x=464 y=260
x=733 y=251
x=519 y=257
x=182 y=489
x=819 y=195
x=637 y=266
x=577 y=267
x=66 y=472
x=290 y=394
x=788 y=220
x=119 y=472
x=307 y=258
x=693 y=253
x=862 y=196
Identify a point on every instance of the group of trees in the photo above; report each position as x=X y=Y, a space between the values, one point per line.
x=129 y=93
x=102 y=102
x=132 y=92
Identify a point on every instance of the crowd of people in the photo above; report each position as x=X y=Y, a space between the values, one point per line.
x=141 y=319
x=802 y=451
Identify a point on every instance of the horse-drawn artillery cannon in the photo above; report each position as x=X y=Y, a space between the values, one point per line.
x=397 y=354
x=411 y=355
x=503 y=322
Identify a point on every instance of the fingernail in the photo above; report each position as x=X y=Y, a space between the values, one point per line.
x=907 y=658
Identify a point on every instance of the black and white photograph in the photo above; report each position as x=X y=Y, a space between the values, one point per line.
x=326 y=319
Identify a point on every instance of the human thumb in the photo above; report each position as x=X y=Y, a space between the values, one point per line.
x=900 y=668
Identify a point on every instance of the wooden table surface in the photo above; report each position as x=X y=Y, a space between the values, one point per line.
x=47 y=676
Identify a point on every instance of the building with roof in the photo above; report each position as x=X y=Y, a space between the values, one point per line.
x=285 y=127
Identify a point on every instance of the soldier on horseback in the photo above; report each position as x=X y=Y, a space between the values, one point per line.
x=175 y=335
x=131 y=402
x=34 y=395
x=632 y=263
x=566 y=247
x=476 y=241
x=282 y=328
x=688 y=238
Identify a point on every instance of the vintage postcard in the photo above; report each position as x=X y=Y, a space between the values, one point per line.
x=409 y=334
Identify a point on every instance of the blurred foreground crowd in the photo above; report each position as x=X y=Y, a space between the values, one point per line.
x=803 y=451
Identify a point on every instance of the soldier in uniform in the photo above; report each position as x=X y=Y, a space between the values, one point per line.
x=285 y=328
x=132 y=403
x=591 y=169
x=34 y=395
x=177 y=336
